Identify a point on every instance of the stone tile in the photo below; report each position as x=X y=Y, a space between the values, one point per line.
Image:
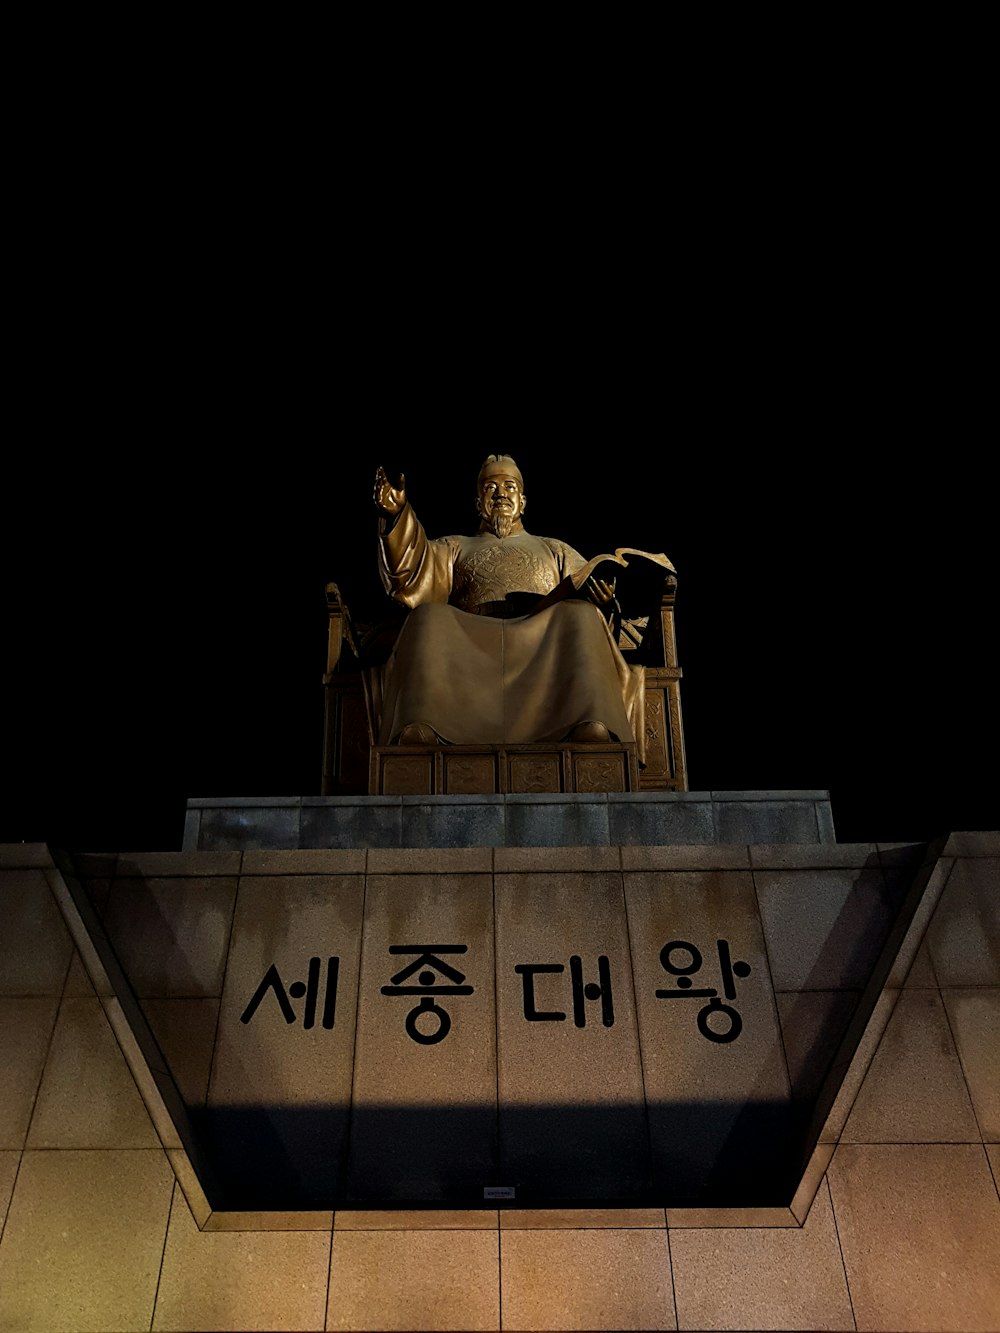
x=37 y=946
x=964 y=936
x=701 y=1218
x=906 y=854
x=430 y=860
x=306 y=861
x=718 y=1110
x=24 y=855
x=572 y=1119
x=83 y=915
x=933 y=875
x=560 y=823
x=25 y=1031
x=973 y=844
x=414 y=1279
x=280 y=1091
x=248 y=802
x=813 y=1177
x=920 y=974
x=824 y=928
x=765 y=821
x=424 y=1219
x=812 y=855
x=919 y=1228
x=87 y=1097
x=190 y=1186
x=586 y=1280
x=850 y=1072
x=271 y=1220
x=471 y=824
x=685 y=858
x=825 y=830
x=423 y=1118
x=78 y=985
x=171 y=935
x=902 y=864
x=191 y=841
x=95 y=865
x=155 y=1089
x=581 y=1219
x=813 y=1024
x=249 y=827
x=246 y=1280
x=549 y=859
x=914 y=1091
x=185 y=1032
x=9 y=1162
x=188 y=865
x=754 y=1278
x=647 y=823
x=993 y=1156
x=771 y=797
x=84 y=1237
x=374 y=822
x=97 y=891
x=974 y=1016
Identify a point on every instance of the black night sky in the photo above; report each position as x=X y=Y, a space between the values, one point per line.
x=795 y=423
x=170 y=623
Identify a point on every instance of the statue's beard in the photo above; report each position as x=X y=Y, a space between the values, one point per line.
x=500 y=522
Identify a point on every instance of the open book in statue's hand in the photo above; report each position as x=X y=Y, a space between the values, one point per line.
x=636 y=590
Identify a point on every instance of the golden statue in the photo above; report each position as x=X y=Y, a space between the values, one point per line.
x=511 y=639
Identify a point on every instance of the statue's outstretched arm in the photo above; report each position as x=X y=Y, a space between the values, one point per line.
x=413 y=568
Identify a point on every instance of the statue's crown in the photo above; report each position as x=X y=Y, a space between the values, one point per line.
x=499 y=464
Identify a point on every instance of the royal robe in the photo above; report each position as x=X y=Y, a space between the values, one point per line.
x=469 y=666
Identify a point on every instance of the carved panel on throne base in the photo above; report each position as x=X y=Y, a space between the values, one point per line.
x=418 y=770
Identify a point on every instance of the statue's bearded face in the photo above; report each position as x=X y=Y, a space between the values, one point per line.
x=501 y=503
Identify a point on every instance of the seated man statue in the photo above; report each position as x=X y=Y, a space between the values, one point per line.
x=473 y=663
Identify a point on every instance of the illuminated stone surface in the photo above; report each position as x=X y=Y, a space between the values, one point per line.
x=87 y=1098
x=245 y=1280
x=586 y=1279
x=25 y=1029
x=914 y=1091
x=974 y=1016
x=280 y=1091
x=734 y=1277
x=414 y=1279
x=920 y=1232
x=81 y=1248
x=572 y=1120
x=83 y=1239
x=9 y=1162
x=716 y=1083
x=423 y=1118
x=28 y=915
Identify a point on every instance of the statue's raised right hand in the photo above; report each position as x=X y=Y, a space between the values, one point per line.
x=390 y=499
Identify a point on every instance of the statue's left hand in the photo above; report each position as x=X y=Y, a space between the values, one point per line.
x=600 y=591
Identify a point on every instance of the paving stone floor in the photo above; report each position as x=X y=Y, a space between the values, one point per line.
x=904 y=1233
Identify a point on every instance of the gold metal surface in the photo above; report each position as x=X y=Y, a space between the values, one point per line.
x=512 y=640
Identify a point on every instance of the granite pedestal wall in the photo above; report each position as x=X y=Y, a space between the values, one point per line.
x=593 y=819
x=902 y=1232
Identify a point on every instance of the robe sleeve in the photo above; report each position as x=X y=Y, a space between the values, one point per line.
x=566 y=558
x=413 y=568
